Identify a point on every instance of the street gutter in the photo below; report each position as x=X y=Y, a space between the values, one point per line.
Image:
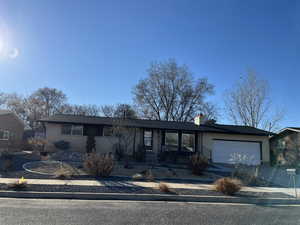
x=147 y=197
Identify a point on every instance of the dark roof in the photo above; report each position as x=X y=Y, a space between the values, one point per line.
x=294 y=128
x=168 y=125
x=4 y=112
x=286 y=131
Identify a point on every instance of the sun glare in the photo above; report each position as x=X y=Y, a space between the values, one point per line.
x=1 y=46
x=14 y=53
x=7 y=52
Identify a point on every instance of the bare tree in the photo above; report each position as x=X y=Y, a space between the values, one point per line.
x=26 y=109
x=2 y=99
x=209 y=111
x=126 y=137
x=16 y=104
x=248 y=103
x=108 y=110
x=42 y=103
x=119 y=111
x=51 y=100
x=84 y=110
x=171 y=93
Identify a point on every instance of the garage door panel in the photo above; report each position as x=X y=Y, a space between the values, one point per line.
x=223 y=151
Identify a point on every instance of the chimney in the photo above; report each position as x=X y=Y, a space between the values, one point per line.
x=197 y=119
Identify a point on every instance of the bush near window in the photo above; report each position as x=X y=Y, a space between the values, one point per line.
x=198 y=163
x=99 y=165
x=168 y=156
x=90 y=144
x=62 y=145
x=38 y=144
x=140 y=154
x=119 y=152
x=228 y=186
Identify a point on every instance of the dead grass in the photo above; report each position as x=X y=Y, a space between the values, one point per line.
x=137 y=176
x=63 y=173
x=149 y=175
x=18 y=185
x=99 y=165
x=228 y=186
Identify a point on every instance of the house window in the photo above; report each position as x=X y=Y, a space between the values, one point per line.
x=72 y=130
x=171 y=141
x=4 y=134
x=107 y=131
x=148 y=138
x=77 y=130
x=188 y=142
x=66 y=129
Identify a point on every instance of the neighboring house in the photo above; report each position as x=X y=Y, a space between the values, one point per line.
x=285 y=146
x=11 y=131
x=215 y=141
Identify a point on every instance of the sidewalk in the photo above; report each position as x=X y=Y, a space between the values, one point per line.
x=145 y=184
x=142 y=190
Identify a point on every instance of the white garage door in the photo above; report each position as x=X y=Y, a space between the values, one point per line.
x=233 y=151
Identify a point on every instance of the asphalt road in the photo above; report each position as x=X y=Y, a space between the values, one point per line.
x=81 y=212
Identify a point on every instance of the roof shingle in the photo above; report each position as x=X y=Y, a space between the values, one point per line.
x=168 y=125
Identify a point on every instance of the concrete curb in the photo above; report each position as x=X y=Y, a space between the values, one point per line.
x=147 y=197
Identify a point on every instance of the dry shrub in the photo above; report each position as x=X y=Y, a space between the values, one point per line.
x=144 y=175
x=38 y=144
x=149 y=175
x=137 y=176
x=198 y=163
x=63 y=174
x=228 y=186
x=164 y=188
x=99 y=165
x=19 y=185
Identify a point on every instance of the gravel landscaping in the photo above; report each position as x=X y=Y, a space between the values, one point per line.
x=72 y=161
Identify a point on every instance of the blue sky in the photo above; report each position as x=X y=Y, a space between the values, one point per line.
x=96 y=51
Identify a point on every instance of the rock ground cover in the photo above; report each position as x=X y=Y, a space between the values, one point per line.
x=73 y=162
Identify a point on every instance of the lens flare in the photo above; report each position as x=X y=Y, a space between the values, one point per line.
x=1 y=46
x=14 y=53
